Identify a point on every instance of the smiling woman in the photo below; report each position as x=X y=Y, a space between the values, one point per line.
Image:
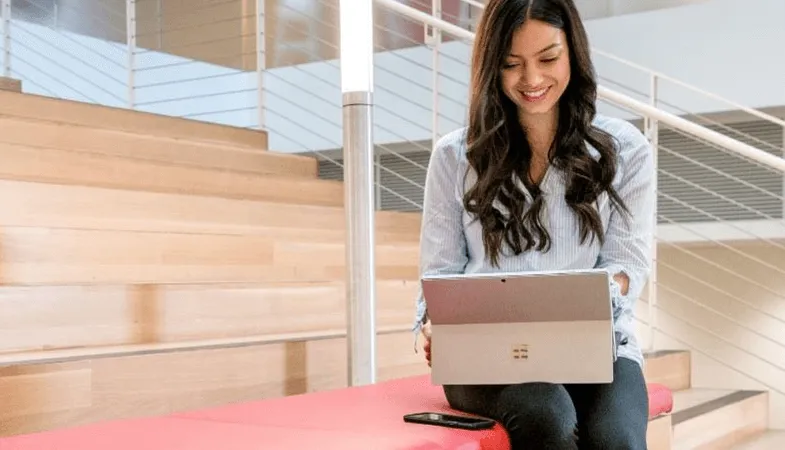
x=536 y=182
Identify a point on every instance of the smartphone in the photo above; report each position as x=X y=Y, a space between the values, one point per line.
x=450 y=421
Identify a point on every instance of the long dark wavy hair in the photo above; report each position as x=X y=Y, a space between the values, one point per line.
x=498 y=150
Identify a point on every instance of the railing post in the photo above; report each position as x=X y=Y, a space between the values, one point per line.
x=261 y=61
x=651 y=129
x=130 y=27
x=433 y=38
x=5 y=10
x=356 y=29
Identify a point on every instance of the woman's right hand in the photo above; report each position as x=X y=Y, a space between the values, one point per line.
x=426 y=331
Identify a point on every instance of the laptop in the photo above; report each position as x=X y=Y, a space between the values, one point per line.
x=507 y=328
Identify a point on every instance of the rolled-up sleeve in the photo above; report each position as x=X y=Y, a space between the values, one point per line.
x=443 y=248
x=628 y=241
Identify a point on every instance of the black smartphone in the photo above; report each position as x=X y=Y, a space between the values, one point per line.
x=449 y=421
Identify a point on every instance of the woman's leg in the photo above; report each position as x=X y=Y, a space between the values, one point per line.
x=535 y=415
x=616 y=415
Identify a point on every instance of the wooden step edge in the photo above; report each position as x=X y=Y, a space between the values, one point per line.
x=663 y=353
x=713 y=405
x=142 y=159
x=721 y=422
x=117 y=118
x=76 y=354
x=670 y=368
x=10 y=85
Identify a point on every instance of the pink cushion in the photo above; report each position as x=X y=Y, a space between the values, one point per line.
x=660 y=400
x=340 y=419
x=376 y=409
x=169 y=433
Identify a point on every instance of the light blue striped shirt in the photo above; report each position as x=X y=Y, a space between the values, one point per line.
x=451 y=241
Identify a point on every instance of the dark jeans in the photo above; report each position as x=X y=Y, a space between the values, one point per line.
x=555 y=417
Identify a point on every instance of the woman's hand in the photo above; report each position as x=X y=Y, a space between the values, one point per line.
x=426 y=332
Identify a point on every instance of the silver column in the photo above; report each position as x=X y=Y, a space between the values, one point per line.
x=130 y=27
x=360 y=241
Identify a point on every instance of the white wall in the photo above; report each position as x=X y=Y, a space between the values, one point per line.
x=728 y=47
x=67 y=65
x=592 y=9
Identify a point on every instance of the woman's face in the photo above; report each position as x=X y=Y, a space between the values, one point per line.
x=536 y=72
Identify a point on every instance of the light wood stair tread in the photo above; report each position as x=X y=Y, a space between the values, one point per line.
x=216 y=155
x=30 y=204
x=47 y=165
x=39 y=107
x=717 y=418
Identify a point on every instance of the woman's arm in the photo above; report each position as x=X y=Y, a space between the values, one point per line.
x=626 y=252
x=442 y=242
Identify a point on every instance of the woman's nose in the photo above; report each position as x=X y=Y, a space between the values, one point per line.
x=531 y=78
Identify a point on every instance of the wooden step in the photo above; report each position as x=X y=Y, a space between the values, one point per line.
x=28 y=204
x=767 y=440
x=671 y=368
x=36 y=107
x=717 y=419
x=55 y=395
x=145 y=147
x=10 y=85
x=38 y=164
x=659 y=434
x=49 y=318
x=36 y=256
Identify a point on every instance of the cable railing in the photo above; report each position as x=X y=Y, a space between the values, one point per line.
x=720 y=175
x=716 y=287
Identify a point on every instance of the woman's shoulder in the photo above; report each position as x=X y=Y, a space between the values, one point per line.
x=634 y=151
x=451 y=148
x=628 y=138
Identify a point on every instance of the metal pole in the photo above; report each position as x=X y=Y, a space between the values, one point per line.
x=652 y=131
x=261 y=61
x=5 y=10
x=360 y=240
x=356 y=29
x=130 y=27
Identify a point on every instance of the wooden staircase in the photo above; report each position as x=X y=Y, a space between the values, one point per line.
x=150 y=264
x=706 y=418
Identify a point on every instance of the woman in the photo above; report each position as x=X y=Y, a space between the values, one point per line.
x=535 y=182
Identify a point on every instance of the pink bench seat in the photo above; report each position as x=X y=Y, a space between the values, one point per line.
x=345 y=419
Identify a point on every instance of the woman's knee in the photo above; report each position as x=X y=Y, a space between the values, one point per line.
x=613 y=434
x=538 y=415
